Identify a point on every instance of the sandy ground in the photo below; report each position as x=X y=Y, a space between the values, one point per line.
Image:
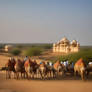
x=12 y=85
x=62 y=85
x=3 y=60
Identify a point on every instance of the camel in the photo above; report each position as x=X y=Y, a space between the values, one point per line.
x=10 y=67
x=79 y=68
x=19 y=68
x=58 y=68
x=88 y=69
x=30 y=68
x=42 y=69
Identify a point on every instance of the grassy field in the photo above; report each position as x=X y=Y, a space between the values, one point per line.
x=44 y=51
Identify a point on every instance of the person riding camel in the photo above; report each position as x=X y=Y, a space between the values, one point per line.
x=26 y=58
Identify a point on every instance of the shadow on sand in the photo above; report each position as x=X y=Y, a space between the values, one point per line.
x=59 y=78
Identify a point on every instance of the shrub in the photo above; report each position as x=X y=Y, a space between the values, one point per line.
x=1 y=46
x=47 y=46
x=15 y=51
x=34 y=51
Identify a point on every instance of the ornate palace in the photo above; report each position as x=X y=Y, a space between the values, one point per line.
x=65 y=46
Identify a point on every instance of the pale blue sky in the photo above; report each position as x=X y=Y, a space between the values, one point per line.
x=45 y=21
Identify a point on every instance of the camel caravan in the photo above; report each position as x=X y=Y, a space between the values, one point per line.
x=31 y=69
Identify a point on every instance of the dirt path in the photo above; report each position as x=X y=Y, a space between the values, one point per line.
x=13 y=85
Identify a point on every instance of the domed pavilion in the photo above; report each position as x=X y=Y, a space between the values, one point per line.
x=65 y=46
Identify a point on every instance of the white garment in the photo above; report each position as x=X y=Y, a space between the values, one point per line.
x=61 y=62
x=25 y=59
x=65 y=63
x=50 y=63
x=90 y=63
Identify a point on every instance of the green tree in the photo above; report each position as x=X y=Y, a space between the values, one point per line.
x=34 y=51
x=15 y=51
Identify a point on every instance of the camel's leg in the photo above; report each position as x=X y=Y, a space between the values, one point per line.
x=17 y=75
x=6 y=74
x=26 y=75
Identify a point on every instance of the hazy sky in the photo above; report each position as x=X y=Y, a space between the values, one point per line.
x=45 y=21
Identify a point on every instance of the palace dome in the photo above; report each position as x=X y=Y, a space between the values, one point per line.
x=64 y=40
x=74 y=42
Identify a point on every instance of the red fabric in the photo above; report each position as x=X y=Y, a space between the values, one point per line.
x=26 y=63
x=80 y=61
x=56 y=64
